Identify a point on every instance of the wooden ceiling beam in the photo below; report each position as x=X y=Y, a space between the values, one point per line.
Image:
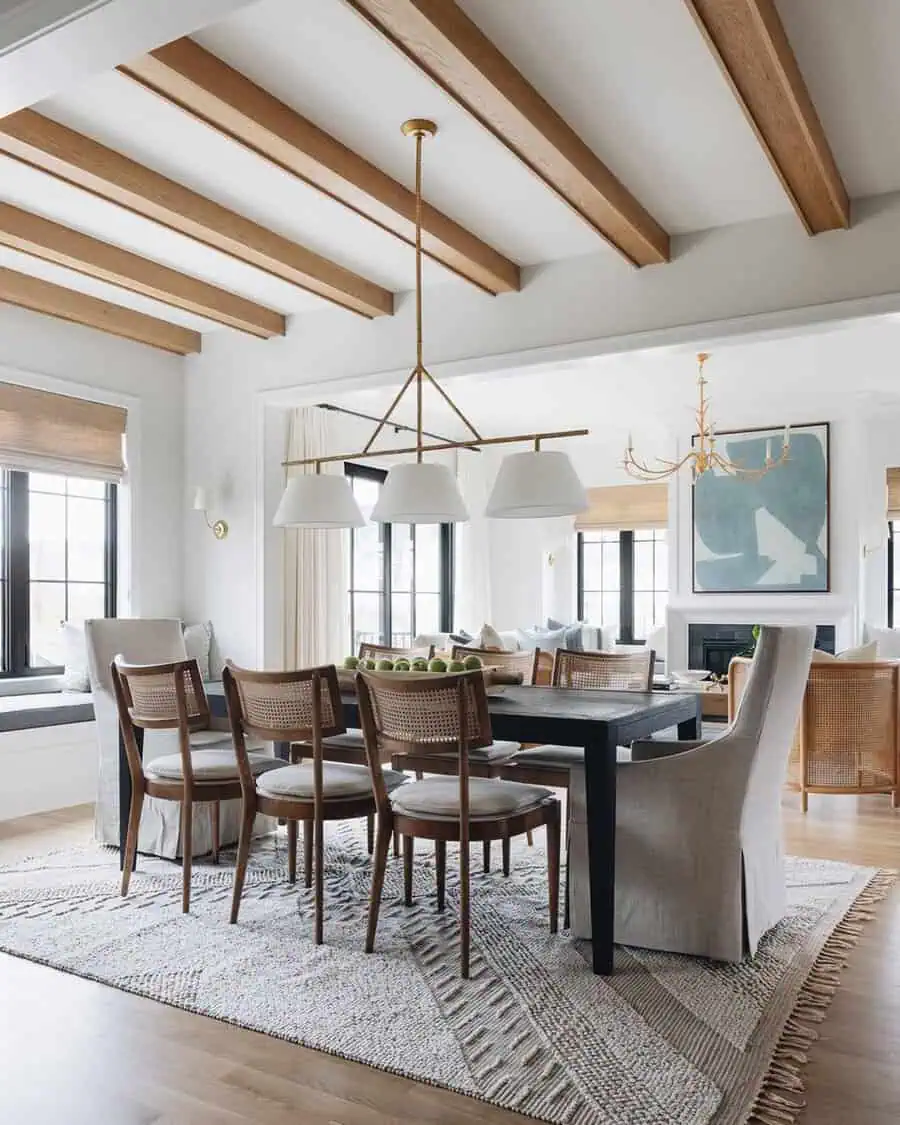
x=79 y=160
x=79 y=308
x=206 y=87
x=439 y=38
x=42 y=238
x=751 y=46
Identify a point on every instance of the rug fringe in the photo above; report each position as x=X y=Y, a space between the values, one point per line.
x=780 y=1100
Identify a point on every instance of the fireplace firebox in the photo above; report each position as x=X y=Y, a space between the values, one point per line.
x=713 y=646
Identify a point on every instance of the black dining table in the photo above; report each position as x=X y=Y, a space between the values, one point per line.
x=598 y=721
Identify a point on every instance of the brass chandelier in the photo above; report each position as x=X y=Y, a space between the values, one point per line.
x=704 y=457
x=533 y=484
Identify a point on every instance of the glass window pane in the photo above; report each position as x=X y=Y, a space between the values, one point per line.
x=428 y=613
x=611 y=579
x=643 y=567
x=86 y=600
x=660 y=601
x=366 y=492
x=87 y=539
x=81 y=486
x=609 y=536
x=643 y=615
x=593 y=608
x=401 y=623
x=366 y=619
x=45 y=482
x=661 y=564
x=48 y=609
x=401 y=557
x=643 y=535
x=47 y=535
x=609 y=612
x=593 y=567
x=428 y=561
x=368 y=573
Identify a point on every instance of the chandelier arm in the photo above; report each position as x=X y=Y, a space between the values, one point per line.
x=633 y=466
x=438 y=447
x=386 y=418
x=446 y=397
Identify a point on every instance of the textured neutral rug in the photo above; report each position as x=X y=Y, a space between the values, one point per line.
x=666 y=1041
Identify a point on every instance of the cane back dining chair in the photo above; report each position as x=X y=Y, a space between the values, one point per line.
x=847 y=739
x=584 y=671
x=441 y=715
x=171 y=697
x=390 y=652
x=302 y=706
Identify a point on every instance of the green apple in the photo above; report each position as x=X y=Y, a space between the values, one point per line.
x=401 y=665
x=385 y=666
x=351 y=663
x=420 y=664
x=437 y=665
x=369 y=664
x=456 y=666
x=472 y=662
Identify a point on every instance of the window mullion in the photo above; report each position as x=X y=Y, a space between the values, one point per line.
x=17 y=655
x=890 y=575
x=626 y=587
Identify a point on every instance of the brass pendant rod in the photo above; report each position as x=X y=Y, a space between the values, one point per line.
x=384 y=421
x=449 y=401
x=365 y=454
x=419 y=336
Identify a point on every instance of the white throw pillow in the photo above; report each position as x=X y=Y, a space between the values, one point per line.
x=488 y=637
x=547 y=640
x=197 y=641
x=75 y=659
x=887 y=642
x=864 y=654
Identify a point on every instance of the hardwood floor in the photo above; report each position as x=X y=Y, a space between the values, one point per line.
x=84 y=1054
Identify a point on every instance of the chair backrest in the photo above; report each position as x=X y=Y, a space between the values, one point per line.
x=423 y=714
x=137 y=640
x=284 y=706
x=768 y=713
x=388 y=652
x=524 y=661
x=611 y=671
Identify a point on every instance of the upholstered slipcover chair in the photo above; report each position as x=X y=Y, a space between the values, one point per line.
x=699 y=865
x=147 y=641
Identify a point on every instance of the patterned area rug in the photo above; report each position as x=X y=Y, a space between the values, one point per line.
x=667 y=1040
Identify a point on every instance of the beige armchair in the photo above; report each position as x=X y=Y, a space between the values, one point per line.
x=699 y=864
x=848 y=736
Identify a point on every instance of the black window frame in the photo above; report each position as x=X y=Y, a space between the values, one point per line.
x=891 y=556
x=15 y=567
x=446 y=563
x=626 y=587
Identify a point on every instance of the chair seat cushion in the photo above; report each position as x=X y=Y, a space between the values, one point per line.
x=553 y=757
x=496 y=752
x=209 y=764
x=352 y=740
x=340 y=781
x=437 y=798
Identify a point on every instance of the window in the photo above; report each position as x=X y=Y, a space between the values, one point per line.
x=401 y=575
x=58 y=537
x=893 y=591
x=623 y=580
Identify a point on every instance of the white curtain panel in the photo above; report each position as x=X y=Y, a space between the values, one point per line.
x=472 y=602
x=316 y=563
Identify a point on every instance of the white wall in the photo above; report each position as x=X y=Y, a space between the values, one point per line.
x=38 y=351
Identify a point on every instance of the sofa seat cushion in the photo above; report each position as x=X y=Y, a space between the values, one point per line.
x=437 y=798
x=340 y=781
x=208 y=764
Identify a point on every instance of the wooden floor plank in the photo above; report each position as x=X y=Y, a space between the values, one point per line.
x=132 y=1061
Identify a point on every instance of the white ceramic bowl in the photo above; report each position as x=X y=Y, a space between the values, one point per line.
x=691 y=676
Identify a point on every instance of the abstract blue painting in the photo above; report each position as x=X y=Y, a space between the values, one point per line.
x=768 y=535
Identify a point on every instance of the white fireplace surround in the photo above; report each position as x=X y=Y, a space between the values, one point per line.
x=816 y=610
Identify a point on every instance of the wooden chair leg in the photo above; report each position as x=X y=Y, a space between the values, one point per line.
x=131 y=840
x=440 y=870
x=370 y=833
x=567 y=921
x=292 y=827
x=396 y=845
x=307 y=853
x=419 y=775
x=382 y=843
x=506 y=850
x=248 y=815
x=804 y=801
x=319 y=865
x=553 y=869
x=486 y=852
x=187 y=853
x=408 y=848
x=464 y=910
x=529 y=836
x=895 y=798
x=214 y=821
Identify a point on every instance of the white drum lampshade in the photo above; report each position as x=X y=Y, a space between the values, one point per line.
x=315 y=500
x=420 y=492
x=536 y=484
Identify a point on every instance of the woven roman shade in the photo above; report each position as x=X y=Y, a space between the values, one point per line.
x=893 y=494
x=625 y=507
x=51 y=433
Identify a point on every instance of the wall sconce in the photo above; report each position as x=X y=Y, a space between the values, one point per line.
x=201 y=504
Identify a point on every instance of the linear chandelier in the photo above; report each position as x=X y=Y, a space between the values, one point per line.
x=531 y=484
x=704 y=456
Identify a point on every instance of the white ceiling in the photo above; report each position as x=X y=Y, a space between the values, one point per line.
x=635 y=79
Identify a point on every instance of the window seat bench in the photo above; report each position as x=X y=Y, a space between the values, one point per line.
x=46 y=709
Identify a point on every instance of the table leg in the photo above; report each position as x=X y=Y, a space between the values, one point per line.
x=125 y=788
x=283 y=751
x=600 y=786
x=689 y=730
